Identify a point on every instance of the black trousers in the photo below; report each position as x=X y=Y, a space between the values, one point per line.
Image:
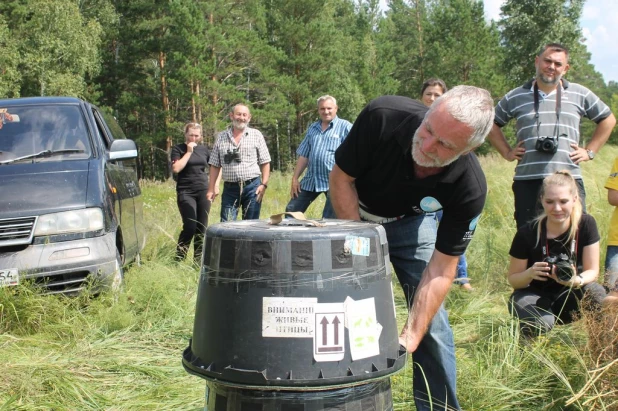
x=194 y=210
x=527 y=201
x=538 y=311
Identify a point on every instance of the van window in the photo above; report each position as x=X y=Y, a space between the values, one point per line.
x=102 y=131
x=115 y=129
x=43 y=133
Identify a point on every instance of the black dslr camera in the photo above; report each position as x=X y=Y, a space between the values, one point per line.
x=563 y=264
x=232 y=155
x=548 y=144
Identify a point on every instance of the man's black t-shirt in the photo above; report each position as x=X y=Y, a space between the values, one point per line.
x=194 y=177
x=377 y=153
x=525 y=247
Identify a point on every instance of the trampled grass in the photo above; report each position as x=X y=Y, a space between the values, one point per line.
x=124 y=352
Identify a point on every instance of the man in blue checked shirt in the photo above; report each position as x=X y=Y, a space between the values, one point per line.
x=316 y=153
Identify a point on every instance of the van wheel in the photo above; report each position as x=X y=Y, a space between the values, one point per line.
x=118 y=276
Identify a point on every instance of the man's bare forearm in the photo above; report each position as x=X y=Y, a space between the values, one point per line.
x=498 y=141
x=601 y=133
x=343 y=195
x=435 y=283
x=301 y=165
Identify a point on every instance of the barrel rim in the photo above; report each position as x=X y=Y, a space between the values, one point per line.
x=194 y=366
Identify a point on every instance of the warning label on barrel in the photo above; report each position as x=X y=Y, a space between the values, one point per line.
x=287 y=317
x=329 y=340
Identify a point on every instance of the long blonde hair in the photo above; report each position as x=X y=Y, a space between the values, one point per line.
x=561 y=178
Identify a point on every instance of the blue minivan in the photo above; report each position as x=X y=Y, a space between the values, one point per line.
x=70 y=203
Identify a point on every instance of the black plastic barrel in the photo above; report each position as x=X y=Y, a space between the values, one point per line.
x=292 y=305
x=372 y=396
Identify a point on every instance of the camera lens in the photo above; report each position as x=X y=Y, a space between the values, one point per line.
x=548 y=145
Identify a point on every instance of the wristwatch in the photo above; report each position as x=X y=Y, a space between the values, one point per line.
x=265 y=185
x=590 y=154
x=581 y=280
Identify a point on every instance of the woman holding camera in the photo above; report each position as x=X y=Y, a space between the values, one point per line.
x=190 y=163
x=569 y=240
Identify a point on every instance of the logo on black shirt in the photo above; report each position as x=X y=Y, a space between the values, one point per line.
x=474 y=222
x=430 y=204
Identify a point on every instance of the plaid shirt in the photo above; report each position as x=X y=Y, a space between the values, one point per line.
x=319 y=147
x=251 y=149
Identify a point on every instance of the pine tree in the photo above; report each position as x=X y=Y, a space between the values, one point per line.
x=10 y=76
x=529 y=24
x=58 y=47
x=461 y=47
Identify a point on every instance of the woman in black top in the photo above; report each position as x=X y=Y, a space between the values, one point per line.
x=190 y=163
x=542 y=292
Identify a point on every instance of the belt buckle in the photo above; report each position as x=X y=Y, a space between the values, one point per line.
x=367 y=216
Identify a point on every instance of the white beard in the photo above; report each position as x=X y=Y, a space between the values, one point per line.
x=239 y=125
x=426 y=160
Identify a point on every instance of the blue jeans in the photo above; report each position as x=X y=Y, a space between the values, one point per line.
x=411 y=244
x=462 y=270
x=235 y=196
x=462 y=264
x=305 y=198
x=611 y=266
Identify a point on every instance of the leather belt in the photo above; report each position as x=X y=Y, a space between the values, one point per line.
x=367 y=216
x=242 y=183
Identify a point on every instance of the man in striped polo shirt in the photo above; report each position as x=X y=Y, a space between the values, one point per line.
x=241 y=154
x=548 y=111
x=316 y=153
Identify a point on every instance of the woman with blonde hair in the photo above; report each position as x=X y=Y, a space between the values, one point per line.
x=555 y=260
x=190 y=164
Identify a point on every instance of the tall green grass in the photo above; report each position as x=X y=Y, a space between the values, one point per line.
x=123 y=352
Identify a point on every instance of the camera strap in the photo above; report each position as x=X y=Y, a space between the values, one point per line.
x=573 y=249
x=558 y=106
x=558 y=101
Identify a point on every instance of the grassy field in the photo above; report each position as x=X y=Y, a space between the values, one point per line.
x=124 y=352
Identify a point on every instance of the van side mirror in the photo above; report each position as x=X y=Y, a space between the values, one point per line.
x=123 y=150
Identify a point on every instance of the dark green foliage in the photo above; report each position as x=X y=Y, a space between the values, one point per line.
x=10 y=77
x=160 y=63
x=529 y=24
x=52 y=45
x=461 y=47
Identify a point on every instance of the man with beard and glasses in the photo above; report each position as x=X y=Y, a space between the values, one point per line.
x=241 y=154
x=548 y=111
x=402 y=162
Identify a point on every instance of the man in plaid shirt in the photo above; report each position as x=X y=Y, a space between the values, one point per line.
x=240 y=153
x=316 y=153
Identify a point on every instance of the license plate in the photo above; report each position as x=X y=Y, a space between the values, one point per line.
x=9 y=277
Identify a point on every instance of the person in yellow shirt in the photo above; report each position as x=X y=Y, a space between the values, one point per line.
x=611 y=258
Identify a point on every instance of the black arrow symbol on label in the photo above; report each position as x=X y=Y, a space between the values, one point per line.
x=336 y=323
x=324 y=323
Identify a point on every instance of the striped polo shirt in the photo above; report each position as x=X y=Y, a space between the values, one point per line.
x=319 y=147
x=576 y=102
x=251 y=148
